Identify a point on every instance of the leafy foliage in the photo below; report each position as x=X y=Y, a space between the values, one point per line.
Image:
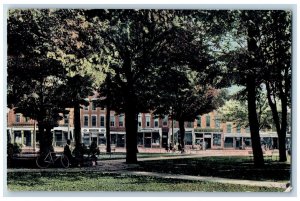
x=236 y=111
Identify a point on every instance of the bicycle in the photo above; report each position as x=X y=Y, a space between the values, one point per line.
x=44 y=160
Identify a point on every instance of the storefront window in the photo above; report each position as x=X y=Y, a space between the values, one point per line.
x=199 y=141
x=155 y=139
x=228 y=142
x=199 y=135
x=120 y=140
x=102 y=139
x=247 y=141
x=86 y=139
x=58 y=138
x=113 y=138
x=140 y=140
x=217 y=139
x=188 y=138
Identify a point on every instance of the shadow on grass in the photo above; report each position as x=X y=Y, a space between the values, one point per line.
x=224 y=167
x=20 y=163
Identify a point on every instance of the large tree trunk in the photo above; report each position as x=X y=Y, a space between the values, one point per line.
x=45 y=138
x=282 y=136
x=251 y=95
x=281 y=129
x=41 y=137
x=77 y=125
x=253 y=122
x=131 y=135
x=182 y=134
x=107 y=125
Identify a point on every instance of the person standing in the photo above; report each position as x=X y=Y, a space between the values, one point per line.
x=67 y=151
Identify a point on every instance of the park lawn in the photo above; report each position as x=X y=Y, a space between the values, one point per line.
x=233 y=167
x=93 y=181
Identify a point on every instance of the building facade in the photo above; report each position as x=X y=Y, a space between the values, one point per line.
x=206 y=132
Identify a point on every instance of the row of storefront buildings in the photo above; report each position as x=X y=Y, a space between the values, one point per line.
x=206 y=132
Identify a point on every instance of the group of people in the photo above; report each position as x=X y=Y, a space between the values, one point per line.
x=76 y=156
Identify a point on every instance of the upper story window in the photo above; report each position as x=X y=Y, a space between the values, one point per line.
x=102 y=121
x=189 y=124
x=93 y=105
x=86 y=121
x=238 y=129
x=121 y=120
x=94 y=121
x=217 y=122
x=228 y=128
x=66 y=119
x=207 y=121
x=26 y=119
x=112 y=121
x=86 y=107
x=147 y=121
x=248 y=129
x=140 y=121
x=199 y=121
x=18 y=118
x=156 y=124
x=165 y=121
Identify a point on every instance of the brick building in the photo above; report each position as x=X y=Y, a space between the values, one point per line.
x=152 y=132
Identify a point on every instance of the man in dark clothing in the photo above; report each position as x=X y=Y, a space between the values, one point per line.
x=67 y=152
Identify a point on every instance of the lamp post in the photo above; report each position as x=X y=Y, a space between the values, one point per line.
x=34 y=135
x=68 y=125
x=172 y=129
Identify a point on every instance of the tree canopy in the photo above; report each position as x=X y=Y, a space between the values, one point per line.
x=171 y=62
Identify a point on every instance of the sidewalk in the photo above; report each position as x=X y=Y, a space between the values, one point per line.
x=120 y=167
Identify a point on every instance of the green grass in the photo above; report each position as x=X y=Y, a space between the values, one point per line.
x=225 y=167
x=91 y=181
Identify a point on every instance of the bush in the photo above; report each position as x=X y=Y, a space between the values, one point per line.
x=12 y=149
